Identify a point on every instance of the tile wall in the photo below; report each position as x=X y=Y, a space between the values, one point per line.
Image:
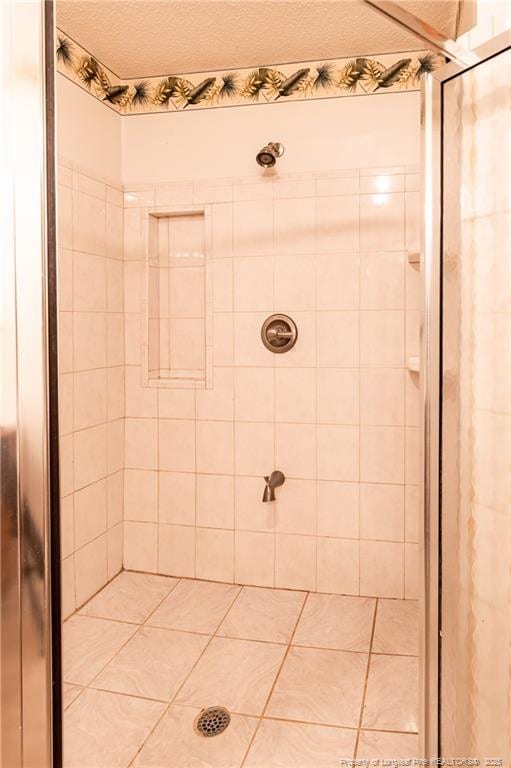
x=338 y=414
x=91 y=331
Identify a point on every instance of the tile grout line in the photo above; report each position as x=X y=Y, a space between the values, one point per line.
x=272 y=688
x=131 y=624
x=248 y=639
x=274 y=509
x=186 y=678
x=364 y=693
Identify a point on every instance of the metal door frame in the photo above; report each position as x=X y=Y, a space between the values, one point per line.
x=30 y=568
x=431 y=386
x=461 y=61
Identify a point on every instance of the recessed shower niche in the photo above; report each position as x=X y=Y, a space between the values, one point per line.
x=178 y=328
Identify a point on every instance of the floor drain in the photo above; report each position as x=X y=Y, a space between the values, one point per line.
x=212 y=721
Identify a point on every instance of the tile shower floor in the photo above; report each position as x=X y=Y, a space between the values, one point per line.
x=310 y=679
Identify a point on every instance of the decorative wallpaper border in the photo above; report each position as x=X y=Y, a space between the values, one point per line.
x=334 y=78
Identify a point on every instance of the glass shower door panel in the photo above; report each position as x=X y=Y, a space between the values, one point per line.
x=476 y=413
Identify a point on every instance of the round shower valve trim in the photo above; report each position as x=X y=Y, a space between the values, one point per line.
x=279 y=333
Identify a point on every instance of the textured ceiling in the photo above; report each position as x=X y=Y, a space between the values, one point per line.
x=141 y=38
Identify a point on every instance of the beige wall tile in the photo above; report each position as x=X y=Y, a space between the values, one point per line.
x=295 y=395
x=114 y=542
x=338 y=395
x=215 y=447
x=89 y=282
x=412 y=573
x=383 y=280
x=65 y=279
x=382 y=512
x=141 y=401
x=295 y=450
x=176 y=445
x=217 y=403
x=176 y=498
x=215 y=554
x=141 y=495
x=254 y=448
x=382 y=453
x=254 y=558
x=114 y=231
x=66 y=403
x=296 y=507
x=141 y=547
x=382 y=222
x=412 y=510
x=89 y=223
x=187 y=344
x=338 y=281
x=68 y=597
x=338 y=452
x=295 y=230
x=381 y=569
x=338 y=566
x=382 y=396
x=66 y=526
x=215 y=501
x=247 y=381
x=89 y=340
x=142 y=443
x=90 y=446
x=294 y=282
x=252 y=228
x=337 y=223
x=115 y=498
x=251 y=514
x=253 y=284
x=338 y=509
x=338 y=339
x=90 y=569
x=295 y=558
x=90 y=517
x=176 y=550
x=382 y=339
x=90 y=398
x=176 y=403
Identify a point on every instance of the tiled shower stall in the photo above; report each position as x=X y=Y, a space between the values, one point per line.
x=173 y=411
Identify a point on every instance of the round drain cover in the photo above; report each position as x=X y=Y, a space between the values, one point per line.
x=212 y=721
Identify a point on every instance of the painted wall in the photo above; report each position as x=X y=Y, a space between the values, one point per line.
x=358 y=131
x=88 y=132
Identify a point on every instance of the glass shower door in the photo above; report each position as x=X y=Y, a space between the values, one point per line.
x=29 y=546
x=474 y=119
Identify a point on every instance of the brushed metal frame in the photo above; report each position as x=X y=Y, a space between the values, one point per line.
x=30 y=709
x=430 y=396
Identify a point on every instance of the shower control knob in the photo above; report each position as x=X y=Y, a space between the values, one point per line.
x=279 y=333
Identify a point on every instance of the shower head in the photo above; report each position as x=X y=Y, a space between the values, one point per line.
x=267 y=156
